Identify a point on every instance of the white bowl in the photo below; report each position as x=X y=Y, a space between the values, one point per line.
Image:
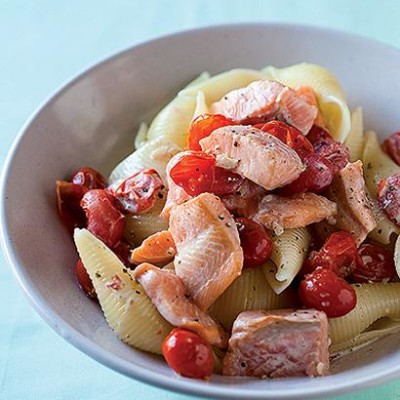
x=90 y=122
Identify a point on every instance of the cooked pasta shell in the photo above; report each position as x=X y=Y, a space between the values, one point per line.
x=125 y=305
x=139 y=227
x=201 y=105
x=385 y=228
x=249 y=291
x=201 y=78
x=397 y=256
x=377 y=164
x=289 y=252
x=331 y=98
x=153 y=154
x=378 y=329
x=374 y=301
x=356 y=140
x=141 y=136
x=219 y=85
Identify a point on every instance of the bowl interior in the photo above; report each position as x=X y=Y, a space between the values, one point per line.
x=92 y=122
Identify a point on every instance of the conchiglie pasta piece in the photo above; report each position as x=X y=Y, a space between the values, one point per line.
x=397 y=256
x=201 y=105
x=331 y=98
x=141 y=136
x=139 y=227
x=378 y=329
x=385 y=228
x=289 y=252
x=126 y=307
x=374 y=301
x=355 y=140
x=250 y=291
x=219 y=85
x=377 y=164
x=153 y=154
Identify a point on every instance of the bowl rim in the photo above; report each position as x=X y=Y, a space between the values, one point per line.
x=366 y=376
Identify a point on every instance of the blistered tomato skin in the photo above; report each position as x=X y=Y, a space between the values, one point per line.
x=139 y=192
x=318 y=176
x=391 y=146
x=203 y=126
x=339 y=254
x=197 y=173
x=288 y=135
x=389 y=197
x=104 y=219
x=256 y=243
x=84 y=280
x=89 y=177
x=374 y=264
x=325 y=291
x=188 y=354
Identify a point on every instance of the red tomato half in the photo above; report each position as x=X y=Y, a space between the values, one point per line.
x=389 y=197
x=318 y=176
x=68 y=196
x=188 y=354
x=337 y=153
x=374 y=264
x=256 y=242
x=288 y=135
x=104 y=219
x=391 y=146
x=84 y=280
x=203 y=126
x=89 y=177
x=198 y=173
x=338 y=254
x=139 y=192
x=325 y=291
x=317 y=133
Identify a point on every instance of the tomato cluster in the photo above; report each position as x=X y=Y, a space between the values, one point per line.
x=324 y=286
x=86 y=201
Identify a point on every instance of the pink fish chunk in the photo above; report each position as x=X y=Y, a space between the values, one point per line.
x=168 y=294
x=258 y=156
x=209 y=257
x=267 y=100
x=278 y=343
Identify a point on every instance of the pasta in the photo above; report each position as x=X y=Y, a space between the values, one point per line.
x=249 y=292
x=355 y=140
x=126 y=307
x=288 y=255
x=374 y=301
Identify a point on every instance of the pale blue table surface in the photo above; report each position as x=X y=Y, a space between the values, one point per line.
x=44 y=43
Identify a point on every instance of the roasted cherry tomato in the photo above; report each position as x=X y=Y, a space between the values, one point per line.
x=123 y=250
x=84 y=280
x=198 y=173
x=104 y=219
x=389 y=197
x=188 y=354
x=338 y=254
x=288 y=135
x=374 y=264
x=68 y=196
x=325 y=291
x=139 y=192
x=203 y=126
x=337 y=153
x=256 y=242
x=317 y=133
x=391 y=146
x=318 y=176
x=89 y=178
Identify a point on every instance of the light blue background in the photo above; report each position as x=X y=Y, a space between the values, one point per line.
x=43 y=44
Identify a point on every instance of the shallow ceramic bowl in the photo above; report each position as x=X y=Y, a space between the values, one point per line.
x=90 y=122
